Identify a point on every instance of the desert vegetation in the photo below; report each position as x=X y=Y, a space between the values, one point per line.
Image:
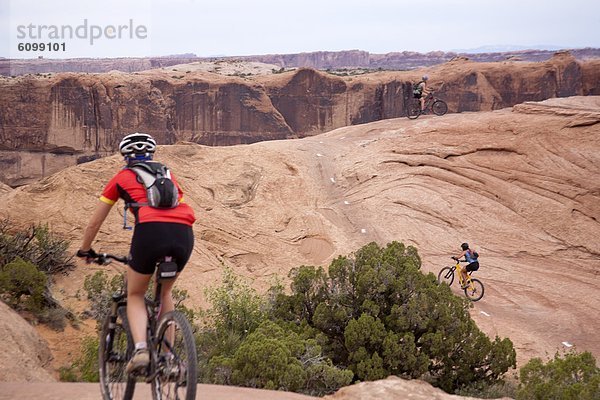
x=370 y=315
x=29 y=258
x=570 y=376
x=373 y=314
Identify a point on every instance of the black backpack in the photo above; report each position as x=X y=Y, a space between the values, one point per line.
x=417 y=91
x=161 y=191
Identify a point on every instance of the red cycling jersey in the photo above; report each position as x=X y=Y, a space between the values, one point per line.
x=126 y=186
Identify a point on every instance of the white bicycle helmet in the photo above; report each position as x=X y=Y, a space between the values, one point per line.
x=137 y=144
x=425 y=77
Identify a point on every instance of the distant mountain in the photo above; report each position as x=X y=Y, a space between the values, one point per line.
x=501 y=48
x=324 y=60
x=183 y=55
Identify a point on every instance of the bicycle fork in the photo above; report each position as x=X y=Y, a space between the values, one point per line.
x=117 y=299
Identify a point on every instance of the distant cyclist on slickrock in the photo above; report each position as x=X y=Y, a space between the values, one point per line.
x=421 y=90
x=163 y=227
x=472 y=258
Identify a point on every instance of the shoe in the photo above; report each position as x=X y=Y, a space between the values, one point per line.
x=139 y=362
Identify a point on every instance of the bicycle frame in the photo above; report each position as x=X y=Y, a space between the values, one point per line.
x=431 y=104
x=459 y=270
x=171 y=367
x=166 y=270
x=153 y=306
x=473 y=287
x=429 y=99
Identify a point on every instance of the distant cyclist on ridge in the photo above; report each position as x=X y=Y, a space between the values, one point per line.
x=421 y=91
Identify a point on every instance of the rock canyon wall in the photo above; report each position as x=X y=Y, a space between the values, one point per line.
x=51 y=121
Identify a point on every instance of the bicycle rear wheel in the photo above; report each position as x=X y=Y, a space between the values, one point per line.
x=446 y=275
x=439 y=107
x=177 y=376
x=474 y=291
x=116 y=347
x=413 y=109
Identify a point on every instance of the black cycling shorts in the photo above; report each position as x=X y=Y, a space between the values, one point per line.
x=153 y=240
x=474 y=266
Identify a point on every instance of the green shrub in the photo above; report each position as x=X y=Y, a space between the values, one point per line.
x=379 y=315
x=496 y=390
x=55 y=318
x=85 y=367
x=236 y=310
x=99 y=288
x=22 y=285
x=37 y=245
x=179 y=296
x=574 y=376
x=275 y=358
x=235 y=306
x=374 y=314
x=67 y=374
x=36 y=249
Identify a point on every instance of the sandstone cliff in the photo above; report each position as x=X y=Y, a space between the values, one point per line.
x=48 y=122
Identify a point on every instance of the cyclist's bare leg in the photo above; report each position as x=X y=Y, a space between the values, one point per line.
x=137 y=284
x=465 y=277
x=166 y=296
x=422 y=100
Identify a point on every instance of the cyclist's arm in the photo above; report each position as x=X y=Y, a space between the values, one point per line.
x=94 y=224
x=461 y=255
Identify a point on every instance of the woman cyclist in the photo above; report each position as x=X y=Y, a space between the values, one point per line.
x=423 y=90
x=159 y=232
x=471 y=257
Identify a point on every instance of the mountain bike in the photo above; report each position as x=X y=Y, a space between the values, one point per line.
x=432 y=105
x=173 y=363
x=473 y=287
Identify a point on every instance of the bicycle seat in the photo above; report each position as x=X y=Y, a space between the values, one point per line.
x=166 y=270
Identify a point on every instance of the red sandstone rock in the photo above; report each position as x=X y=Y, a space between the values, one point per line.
x=49 y=122
x=519 y=184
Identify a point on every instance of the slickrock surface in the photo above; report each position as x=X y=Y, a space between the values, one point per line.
x=520 y=184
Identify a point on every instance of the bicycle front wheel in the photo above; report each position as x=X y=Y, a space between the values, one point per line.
x=439 y=107
x=115 y=349
x=177 y=376
x=446 y=275
x=474 y=291
x=413 y=110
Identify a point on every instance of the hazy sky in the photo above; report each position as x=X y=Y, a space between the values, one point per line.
x=242 y=27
